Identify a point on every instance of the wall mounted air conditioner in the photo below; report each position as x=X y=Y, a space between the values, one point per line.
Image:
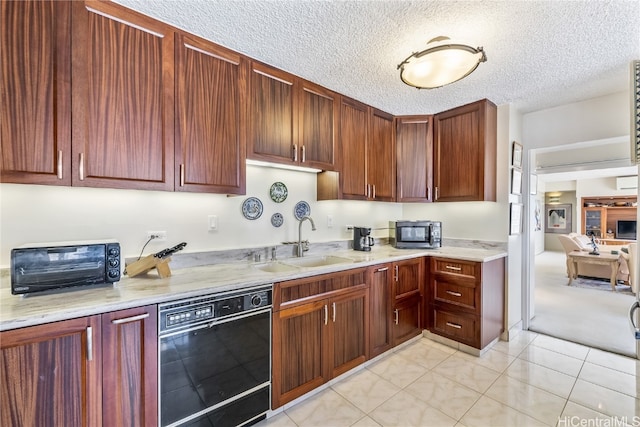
x=626 y=182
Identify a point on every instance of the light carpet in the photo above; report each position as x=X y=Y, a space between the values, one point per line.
x=582 y=314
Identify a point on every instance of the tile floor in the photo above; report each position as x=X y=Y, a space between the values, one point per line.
x=533 y=380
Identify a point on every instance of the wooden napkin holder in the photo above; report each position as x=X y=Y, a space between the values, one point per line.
x=148 y=263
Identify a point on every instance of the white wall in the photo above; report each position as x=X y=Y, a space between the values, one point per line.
x=37 y=213
x=598 y=118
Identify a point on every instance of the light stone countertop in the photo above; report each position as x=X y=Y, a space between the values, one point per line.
x=20 y=311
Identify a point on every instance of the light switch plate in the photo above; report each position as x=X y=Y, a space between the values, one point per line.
x=213 y=222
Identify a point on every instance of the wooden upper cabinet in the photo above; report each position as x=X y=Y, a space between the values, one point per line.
x=50 y=375
x=414 y=158
x=465 y=144
x=122 y=99
x=353 y=149
x=273 y=114
x=318 y=109
x=381 y=151
x=35 y=93
x=211 y=113
x=293 y=121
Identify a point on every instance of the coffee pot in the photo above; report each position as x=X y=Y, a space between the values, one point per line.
x=362 y=240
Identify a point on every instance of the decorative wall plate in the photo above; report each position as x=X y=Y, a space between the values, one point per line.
x=252 y=208
x=277 y=219
x=301 y=209
x=278 y=192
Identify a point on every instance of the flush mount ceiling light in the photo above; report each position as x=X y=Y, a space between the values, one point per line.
x=440 y=64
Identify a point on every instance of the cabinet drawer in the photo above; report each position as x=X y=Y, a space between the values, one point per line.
x=461 y=294
x=455 y=267
x=459 y=327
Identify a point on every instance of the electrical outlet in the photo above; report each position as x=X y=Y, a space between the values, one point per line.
x=158 y=236
x=329 y=221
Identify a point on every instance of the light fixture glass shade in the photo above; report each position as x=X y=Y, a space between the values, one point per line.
x=440 y=64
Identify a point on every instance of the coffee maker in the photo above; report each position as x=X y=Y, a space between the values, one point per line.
x=362 y=240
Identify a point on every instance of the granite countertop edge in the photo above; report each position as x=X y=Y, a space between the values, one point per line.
x=20 y=311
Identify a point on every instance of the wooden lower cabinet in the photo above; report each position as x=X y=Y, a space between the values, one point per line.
x=81 y=372
x=467 y=300
x=320 y=330
x=130 y=367
x=380 y=309
x=407 y=319
x=408 y=290
x=396 y=307
x=51 y=375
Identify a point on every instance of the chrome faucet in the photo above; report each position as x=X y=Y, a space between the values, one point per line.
x=301 y=248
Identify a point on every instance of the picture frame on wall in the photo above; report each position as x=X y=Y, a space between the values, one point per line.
x=516 y=181
x=557 y=218
x=516 y=155
x=515 y=219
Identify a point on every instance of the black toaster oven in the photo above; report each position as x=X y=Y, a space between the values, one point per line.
x=44 y=267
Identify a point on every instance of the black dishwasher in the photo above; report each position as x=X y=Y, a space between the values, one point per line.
x=215 y=359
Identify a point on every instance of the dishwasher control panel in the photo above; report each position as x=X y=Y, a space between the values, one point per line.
x=194 y=311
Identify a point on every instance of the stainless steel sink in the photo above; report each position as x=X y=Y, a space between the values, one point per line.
x=275 y=267
x=317 y=261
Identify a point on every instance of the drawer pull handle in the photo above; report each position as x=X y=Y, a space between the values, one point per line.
x=326 y=314
x=450 y=267
x=455 y=294
x=454 y=325
x=295 y=152
x=304 y=154
x=130 y=319
x=396 y=272
x=396 y=313
x=182 y=175
x=380 y=270
x=333 y=317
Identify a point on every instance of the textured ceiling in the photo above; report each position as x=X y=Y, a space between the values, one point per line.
x=540 y=53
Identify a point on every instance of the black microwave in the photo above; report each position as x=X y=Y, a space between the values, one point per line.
x=45 y=267
x=415 y=234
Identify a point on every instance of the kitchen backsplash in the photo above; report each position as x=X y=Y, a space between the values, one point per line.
x=38 y=213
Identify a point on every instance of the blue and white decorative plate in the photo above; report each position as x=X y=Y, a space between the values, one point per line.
x=277 y=219
x=301 y=210
x=252 y=208
x=278 y=192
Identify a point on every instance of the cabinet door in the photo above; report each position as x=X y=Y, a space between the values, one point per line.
x=130 y=361
x=594 y=222
x=122 y=99
x=35 y=93
x=318 y=118
x=299 y=357
x=407 y=319
x=408 y=278
x=211 y=117
x=353 y=143
x=380 y=309
x=50 y=375
x=465 y=153
x=348 y=345
x=381 y=165
x=273 y=114
x=414 y=157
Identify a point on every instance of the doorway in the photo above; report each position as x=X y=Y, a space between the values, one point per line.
x=592 y=317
